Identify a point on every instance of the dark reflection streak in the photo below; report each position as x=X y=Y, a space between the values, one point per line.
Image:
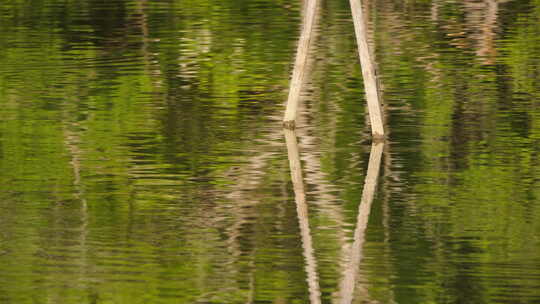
x=302 y=212
x=140 y=18
x=370 y=185
x=151 y=69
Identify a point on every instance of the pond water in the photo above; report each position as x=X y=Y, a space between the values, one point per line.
x=142 y=158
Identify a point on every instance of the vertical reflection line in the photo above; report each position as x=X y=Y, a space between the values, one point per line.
x=72 y=141
x=151 y=69
x=302 y=211
x=435 y=8
x=487 y=48
x=370 y=185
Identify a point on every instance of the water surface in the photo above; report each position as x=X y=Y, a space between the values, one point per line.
x=143 y=160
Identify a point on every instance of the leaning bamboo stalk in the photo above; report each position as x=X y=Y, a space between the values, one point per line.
x=368 y=70
x=300 y=63
x=370 y=185
x=303 y=220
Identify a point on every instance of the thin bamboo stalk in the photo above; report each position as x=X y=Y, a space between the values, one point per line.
x=300 y=63
x=368 y=70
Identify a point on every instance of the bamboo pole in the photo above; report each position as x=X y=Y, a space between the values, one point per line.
x=303 y=220
x=370 y=185
x=300 y=64
x=368 y=71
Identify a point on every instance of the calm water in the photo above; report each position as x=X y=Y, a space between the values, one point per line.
x=143 y=160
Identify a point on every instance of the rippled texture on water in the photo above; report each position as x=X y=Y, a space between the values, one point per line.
x=143 y=161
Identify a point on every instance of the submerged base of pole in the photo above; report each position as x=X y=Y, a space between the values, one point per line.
x=289 y=124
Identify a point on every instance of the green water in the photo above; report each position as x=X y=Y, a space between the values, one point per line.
x=142 y=158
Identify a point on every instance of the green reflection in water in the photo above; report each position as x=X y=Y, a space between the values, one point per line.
x=142 y=158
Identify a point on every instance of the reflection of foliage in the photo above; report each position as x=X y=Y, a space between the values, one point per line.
x=170 y=104
x=469 y=204
x=158 y=121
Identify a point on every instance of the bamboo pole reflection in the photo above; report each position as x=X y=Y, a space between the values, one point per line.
x=370 y=185
x=302 y=212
